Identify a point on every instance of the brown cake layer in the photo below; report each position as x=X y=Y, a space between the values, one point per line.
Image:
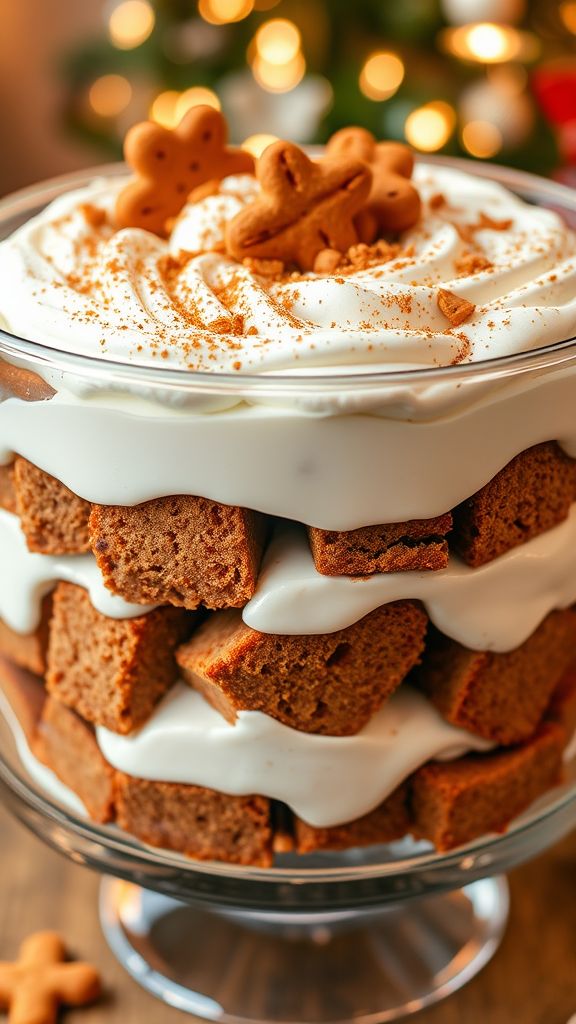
x=329 y=684
x=499 y=696
x=457 y=801
x=66 y=743
x=7 y=493
x=54 y=519
x=112 y=671
x=199 y=822
x=562 y=707
x=25 y=695
x=395 y=547
x=181 y=550
x=189 y=819
x=530 y=495
x=389 y=822
x=30 y=650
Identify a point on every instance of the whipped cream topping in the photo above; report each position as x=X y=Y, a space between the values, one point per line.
x=495 y=607
x=70 y=281
x=27 y=577
x=326 y=780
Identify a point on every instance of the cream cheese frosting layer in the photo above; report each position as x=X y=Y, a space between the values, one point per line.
x=326 y=780
x=70 y=283
x=495 y=607
x=26 y=578
x=338 y=472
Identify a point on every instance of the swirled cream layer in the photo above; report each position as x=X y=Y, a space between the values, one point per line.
x=70 y=281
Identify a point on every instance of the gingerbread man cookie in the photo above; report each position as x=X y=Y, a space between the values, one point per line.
x=170 y=163
x=34 y=987
x=304 y=207
x=393 y=204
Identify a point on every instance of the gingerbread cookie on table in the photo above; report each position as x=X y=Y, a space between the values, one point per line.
x=171 y=163
x=34 y=987
x=305 y=207
x=394 y=203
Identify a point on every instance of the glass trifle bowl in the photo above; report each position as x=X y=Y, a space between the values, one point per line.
x=365 y=570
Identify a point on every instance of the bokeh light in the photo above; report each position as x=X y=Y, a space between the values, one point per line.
x=222 y=12
x=277 y=41
x=169 y=107
x=279 y=77
x=197 y=96
x=163 y=109
x=381 y=76
x=568 y=15
x=130 y=23
x=109 y=95
x=482 y=139
x=488 y=43
x=256 y=144
x=428 y=128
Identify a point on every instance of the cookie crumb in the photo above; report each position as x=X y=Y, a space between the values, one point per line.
x=455 y=308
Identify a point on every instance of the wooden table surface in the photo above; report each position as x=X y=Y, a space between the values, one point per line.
x=532 y=979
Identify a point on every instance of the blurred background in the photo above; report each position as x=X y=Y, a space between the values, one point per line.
x=488 y=79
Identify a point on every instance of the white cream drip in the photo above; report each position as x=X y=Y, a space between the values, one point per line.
x=119 y=304
x=26 y=578
x=326 y=780
x=495 y=607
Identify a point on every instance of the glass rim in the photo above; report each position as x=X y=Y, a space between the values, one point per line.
x=50 y=358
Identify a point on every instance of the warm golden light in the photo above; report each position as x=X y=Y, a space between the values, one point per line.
x=163 y=109
x=568 y=15
x=279 y=77
x=277 y=41
x=110 y=95
x=130 y=23
x=381 y=76
x=482 y=139
x=222 y=12
x=428 y=128
x=489 y=43
x=256 y=144
x=197 y=96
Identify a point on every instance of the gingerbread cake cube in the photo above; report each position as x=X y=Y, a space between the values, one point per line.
x=111 y=671
x=67 y=745
x=530 y=495
x=198 y=822
x=419 y=544
x=562 y=708
x=25 y=694
x=179 y=550
x=456 y=801
x=501 y=697
x=7 y=492
x=329 y=684
x=28 y=650
x=387 y=823
x=54 y=520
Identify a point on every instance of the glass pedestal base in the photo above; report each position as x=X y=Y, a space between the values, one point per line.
x=264 y=966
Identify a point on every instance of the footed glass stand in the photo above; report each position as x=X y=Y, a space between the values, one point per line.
x=366 y=936
x=358 y=965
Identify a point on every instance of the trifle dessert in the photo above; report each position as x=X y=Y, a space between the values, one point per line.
x=283 y=568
